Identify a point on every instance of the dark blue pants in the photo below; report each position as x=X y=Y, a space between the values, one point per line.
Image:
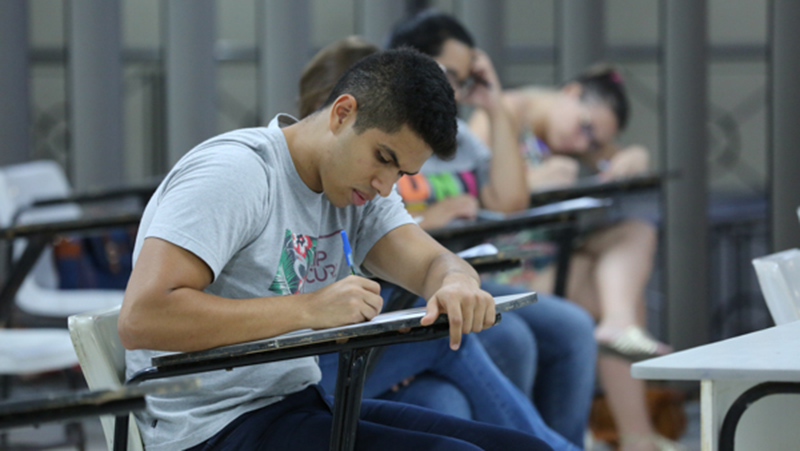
x=302 y=421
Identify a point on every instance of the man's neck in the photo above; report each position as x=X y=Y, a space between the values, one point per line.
x=305 y=140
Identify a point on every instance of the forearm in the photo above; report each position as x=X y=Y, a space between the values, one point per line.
x=507 y=190
x=447 y=268
x=187 y=319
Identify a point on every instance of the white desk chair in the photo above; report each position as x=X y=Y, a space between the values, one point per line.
x=102 y=358
x=31 y=351
x=779 y=277
x=39 y=293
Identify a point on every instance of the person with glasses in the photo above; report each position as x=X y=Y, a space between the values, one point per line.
x=492 y=176
x=564 y=134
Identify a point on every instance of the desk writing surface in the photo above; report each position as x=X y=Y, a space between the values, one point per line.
x=771 y=354
x=489 y=222
x=593 y=186
x=384 y=322
x=74 y=225
x=60 y=406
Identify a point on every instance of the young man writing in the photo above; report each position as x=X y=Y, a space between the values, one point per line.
x=241 y=242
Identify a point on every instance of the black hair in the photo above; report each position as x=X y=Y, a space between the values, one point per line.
x=400 y=87
x=603 y=82
x=427 y=32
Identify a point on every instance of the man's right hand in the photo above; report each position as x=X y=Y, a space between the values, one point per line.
x=351 y=300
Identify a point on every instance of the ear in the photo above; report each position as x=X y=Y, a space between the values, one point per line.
x=572 y=89
x=342 y=112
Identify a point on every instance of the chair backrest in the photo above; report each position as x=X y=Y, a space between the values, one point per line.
x=779 y=277
x=102 y=358
x=23 y=184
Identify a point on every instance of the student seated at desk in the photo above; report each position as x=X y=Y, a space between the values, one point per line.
x=229 y=242
x=465 y=383
x=564 y=133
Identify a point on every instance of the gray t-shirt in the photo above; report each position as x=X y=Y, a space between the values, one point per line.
x=237 y=202
x=438 y=179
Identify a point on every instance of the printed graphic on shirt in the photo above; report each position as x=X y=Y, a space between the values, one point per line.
x=297 y=255
x=420 y=190
x=307 y=263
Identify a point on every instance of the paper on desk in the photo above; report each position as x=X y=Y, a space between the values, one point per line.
x=480 y=250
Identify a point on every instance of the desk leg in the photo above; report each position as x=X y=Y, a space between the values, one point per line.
x=18 y=272
x=347 y=399
x=722 y=404
x=121 y=433
x=564 y=240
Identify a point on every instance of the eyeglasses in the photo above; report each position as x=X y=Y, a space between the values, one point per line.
x=462 y=87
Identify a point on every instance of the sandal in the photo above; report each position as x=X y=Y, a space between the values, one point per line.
x=634 y=344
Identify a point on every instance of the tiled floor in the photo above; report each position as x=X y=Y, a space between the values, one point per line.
x=51 y=433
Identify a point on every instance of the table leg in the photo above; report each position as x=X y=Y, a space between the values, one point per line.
x=19 y=270
x=723 y=403
x=564 y=240
x=121 y=433
x=347 y=398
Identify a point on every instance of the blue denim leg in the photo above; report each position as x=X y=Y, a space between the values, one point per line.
x=492 y=397
x=395 y=364
x=303 y=421
x=432 y=392
x=512 y=347
x=567 y=353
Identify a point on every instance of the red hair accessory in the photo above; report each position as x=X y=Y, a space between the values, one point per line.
x=616 y=77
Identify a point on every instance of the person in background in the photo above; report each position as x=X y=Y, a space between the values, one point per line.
x=565 y=134
x=466 y=383
x=492 y=176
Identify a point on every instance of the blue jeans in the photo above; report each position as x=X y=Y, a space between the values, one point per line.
x=557 y=371
x=492 y=397
x=566 y=355
x=303 y=421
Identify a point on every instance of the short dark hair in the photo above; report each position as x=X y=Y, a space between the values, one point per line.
x=428 y=31
x=603 y=82
x=400 y=87
x=326 y=67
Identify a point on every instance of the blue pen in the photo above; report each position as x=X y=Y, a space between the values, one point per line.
x=348 y=252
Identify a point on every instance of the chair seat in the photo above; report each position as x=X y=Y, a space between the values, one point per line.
x=29 y=351
x=36 y=300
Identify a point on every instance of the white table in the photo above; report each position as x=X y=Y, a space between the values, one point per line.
x=734 y=368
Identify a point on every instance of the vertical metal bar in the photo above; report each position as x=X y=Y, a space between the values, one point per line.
x=784 y=160
x=565 y=244
x=191 y=83
x=120 y=433
x=685 y=199
x=284 y=50
x=484 y=20
x=15 y=114
x=95 y=93
x=581 y=36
